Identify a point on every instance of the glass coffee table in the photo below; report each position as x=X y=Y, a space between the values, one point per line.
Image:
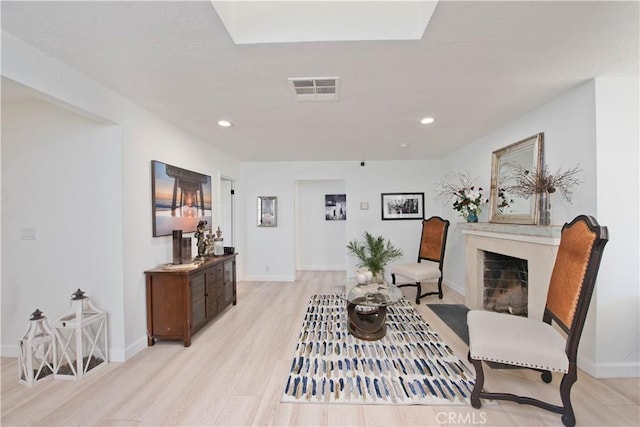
x=367 y=307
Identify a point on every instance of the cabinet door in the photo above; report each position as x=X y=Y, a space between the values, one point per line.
x=166 y=304
x=214 y=278
x=198 y=313
x=229 y=282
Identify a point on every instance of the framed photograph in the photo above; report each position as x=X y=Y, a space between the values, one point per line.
x=335 y=207
x=402 y=206
x=180 y=199
x=267 y=211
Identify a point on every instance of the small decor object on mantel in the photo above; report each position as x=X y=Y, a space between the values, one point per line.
x=374 y=254
x=467 y=197
x=540 y=181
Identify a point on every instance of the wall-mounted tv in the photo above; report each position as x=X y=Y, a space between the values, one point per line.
x=180 y=199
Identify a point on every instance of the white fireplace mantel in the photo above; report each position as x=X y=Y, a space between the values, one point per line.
x=536 y=244
x=514 y=231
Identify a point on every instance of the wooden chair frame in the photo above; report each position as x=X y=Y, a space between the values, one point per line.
x=573 y=331
x=439 y=260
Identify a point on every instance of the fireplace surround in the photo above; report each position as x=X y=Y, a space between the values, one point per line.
x=537 y=245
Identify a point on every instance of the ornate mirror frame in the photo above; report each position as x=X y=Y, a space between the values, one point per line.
x=529 y=153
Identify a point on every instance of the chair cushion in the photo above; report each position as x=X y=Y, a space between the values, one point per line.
x=516 y=340
x=417 y=271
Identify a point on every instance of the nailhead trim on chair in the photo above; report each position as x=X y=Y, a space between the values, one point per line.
x=526 y=365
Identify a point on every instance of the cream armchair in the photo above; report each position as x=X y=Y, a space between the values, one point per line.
x=535 y=344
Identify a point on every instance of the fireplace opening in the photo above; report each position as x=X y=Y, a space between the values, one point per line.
x=506 y=281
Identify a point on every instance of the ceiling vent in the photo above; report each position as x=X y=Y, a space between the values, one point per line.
x=315 y=88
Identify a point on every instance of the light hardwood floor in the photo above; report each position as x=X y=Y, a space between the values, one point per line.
x=234 y=373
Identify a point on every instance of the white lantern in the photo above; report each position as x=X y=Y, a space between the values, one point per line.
x=81 y=339
x=37 y=351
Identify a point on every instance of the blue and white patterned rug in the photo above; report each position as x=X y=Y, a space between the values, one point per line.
x=411 y=365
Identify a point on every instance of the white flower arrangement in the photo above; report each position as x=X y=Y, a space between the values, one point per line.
x=467 y=197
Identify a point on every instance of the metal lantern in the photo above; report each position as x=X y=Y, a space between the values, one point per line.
x=81 y=339
x=37 y=351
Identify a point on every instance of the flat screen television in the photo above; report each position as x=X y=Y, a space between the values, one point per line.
x=180 y=199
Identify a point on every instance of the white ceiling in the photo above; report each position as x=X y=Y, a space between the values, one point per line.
x=478 y=65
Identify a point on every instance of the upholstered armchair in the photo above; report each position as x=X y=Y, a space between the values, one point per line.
x=530 y=343
x=430 y=261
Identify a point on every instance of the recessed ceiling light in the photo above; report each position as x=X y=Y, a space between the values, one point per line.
x=224 y=123
x=404 y=145
x=427 y=120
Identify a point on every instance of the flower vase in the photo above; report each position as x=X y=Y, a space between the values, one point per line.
x=544 y=210
x=472 y=217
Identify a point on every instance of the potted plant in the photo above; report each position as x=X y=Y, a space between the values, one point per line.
x=374 y=254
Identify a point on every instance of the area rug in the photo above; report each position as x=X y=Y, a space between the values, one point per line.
x=411 y=365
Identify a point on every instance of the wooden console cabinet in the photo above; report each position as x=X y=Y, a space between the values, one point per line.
x=179 y=302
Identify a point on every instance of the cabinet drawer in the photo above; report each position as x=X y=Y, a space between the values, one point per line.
x=215 y=273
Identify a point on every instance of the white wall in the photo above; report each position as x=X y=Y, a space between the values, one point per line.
x=617 y=296
x=274 y=247
x=61 y=176
x=319 y=243
x=140 y=138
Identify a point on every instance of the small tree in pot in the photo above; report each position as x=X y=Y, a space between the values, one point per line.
x=374 y=254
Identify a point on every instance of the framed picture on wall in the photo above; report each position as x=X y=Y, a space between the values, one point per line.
x=180 y=199
x=267 y=211
x=402 y=206
x=335 y=207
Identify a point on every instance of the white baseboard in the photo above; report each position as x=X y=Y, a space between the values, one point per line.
x=9 y=351
x=267 y=278
x=134 y=348
x=609 y=370
x=322 y=268
x=454 y=286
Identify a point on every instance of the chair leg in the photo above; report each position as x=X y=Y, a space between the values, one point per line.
x=418 y=292
x=393 y=278
x=568 y=417
x=440 y=288
x=477 y=388
x=546 y=376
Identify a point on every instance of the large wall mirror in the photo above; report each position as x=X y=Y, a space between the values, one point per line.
x=509 y=208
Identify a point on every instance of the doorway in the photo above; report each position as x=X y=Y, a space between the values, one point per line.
x=226 y=210
x=320 y=238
